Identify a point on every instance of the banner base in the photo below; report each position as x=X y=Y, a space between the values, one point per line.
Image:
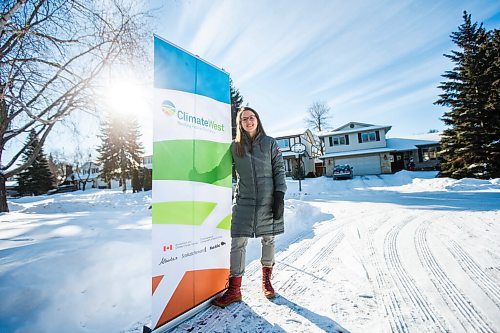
x=183 y=317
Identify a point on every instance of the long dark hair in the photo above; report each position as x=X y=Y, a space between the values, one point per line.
x=240 y=132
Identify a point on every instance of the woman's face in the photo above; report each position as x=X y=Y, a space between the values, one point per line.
x=249 y=122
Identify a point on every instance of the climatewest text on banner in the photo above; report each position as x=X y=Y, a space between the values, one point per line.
x=191 y=182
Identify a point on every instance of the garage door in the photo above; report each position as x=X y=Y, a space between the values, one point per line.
x=363 y=165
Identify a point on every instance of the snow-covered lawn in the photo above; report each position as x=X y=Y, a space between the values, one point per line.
x=402 y=253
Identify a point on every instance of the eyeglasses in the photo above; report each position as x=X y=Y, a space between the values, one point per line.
x=245 y=119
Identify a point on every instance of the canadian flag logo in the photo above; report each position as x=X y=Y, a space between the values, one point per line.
x=167 y=247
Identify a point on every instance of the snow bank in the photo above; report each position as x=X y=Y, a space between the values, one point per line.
x=443 y=184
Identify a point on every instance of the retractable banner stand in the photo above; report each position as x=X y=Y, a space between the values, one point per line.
x=191 y=184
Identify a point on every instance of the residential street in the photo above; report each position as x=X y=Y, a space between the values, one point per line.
x=392 y=253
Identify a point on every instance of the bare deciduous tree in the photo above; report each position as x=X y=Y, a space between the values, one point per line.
x=318 y=117
x=53 y=52
x=59 y=166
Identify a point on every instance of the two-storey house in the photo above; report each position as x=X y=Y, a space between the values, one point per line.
x=366 y=148
x=286 y=140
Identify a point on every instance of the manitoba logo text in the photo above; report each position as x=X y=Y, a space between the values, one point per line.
x=169 y=109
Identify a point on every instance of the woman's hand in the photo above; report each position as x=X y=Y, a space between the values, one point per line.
x=278 y=205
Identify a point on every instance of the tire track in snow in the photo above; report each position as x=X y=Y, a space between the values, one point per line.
x=390 y=302
x=328 y=250
x=472 y=268
x=293 y=281
x=470 y=318
x=285 y=260
x=333 y=236
x=408 y=286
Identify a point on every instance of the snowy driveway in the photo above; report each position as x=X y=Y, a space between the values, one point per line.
x=377 y=254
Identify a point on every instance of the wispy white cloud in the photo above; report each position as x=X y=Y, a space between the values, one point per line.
x=366 y=58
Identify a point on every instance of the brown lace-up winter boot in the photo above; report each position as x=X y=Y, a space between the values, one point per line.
x=267 y=288
x=232 y=294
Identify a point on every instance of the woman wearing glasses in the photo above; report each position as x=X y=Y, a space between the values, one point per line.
x=258 y=203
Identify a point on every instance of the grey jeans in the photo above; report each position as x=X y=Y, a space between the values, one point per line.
x=238 y=251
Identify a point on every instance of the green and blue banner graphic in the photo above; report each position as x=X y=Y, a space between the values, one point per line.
x=191 y=183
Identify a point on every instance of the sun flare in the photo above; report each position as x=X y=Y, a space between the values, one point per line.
x=126 y=96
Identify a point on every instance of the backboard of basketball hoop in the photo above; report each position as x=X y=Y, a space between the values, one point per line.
x=298 y=148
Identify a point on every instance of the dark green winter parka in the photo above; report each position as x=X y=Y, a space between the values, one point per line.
x=260 y=172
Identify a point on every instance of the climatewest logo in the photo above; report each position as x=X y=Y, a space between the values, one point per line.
x=169 y=109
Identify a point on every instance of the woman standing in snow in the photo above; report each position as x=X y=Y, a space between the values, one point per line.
x=258 y=203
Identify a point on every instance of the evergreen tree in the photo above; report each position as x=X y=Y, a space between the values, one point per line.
x=236 y=102
x=148 y=181
x=468 y=144
x=492 y=107
x=136 y=183
x=120 y=151
x=37 y=178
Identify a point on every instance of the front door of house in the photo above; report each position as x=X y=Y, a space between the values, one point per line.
x=398 y=162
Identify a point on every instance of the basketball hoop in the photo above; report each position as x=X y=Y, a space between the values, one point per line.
x=298 y=148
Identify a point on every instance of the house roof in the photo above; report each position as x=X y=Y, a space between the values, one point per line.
x=355 y=130
x=289 y=132
x=352 y=123
x=11 y=183
x=392 y=146
x=408 y=144
x=423 y=136
x=288 y=153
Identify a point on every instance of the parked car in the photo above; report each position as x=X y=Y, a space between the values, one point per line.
x=343 y=171
x=63 y=188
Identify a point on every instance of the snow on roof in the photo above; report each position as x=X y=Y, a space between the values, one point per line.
x=423 y=136
x=288 y=132
x=407 y=144
x=10 y=183
x=288 y=153
x=353 y=123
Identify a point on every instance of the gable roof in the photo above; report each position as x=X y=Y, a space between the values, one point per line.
x=351 y=125
x=289 y=132
x=345 y=129
x=295 y=133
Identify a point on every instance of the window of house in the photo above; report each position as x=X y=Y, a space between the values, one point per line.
x=339 y=140
x=368 y=137
x=429 y=153
x=283 y=143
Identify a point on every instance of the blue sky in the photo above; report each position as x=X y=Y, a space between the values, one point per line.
x=376 y=62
